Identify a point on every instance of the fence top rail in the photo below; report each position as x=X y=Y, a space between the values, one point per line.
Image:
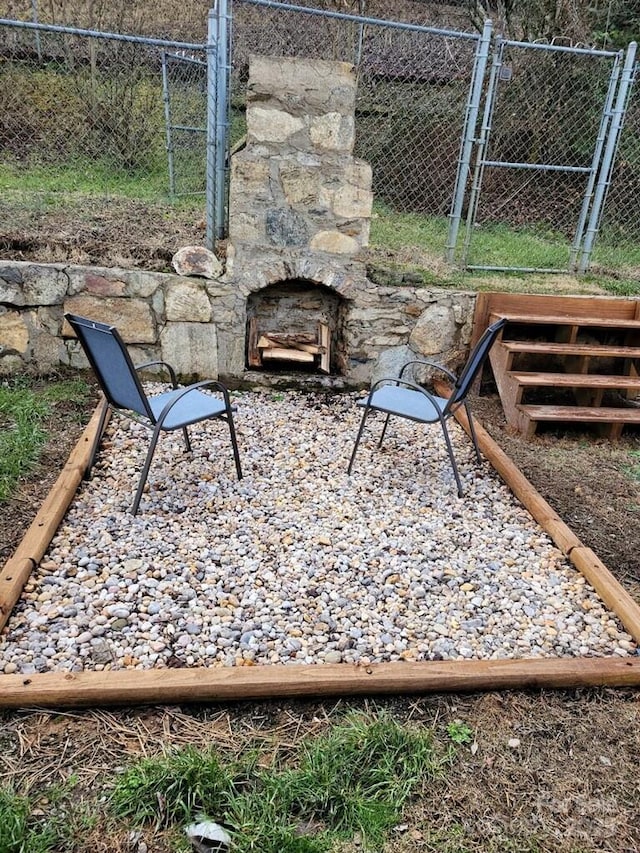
x=75 y=31
x=559 y=48
x=359 y=19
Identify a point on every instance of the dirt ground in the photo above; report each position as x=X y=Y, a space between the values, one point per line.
x=125 y=233
x=572 y=783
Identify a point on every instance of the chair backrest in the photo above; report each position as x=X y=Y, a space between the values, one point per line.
x=474 y=364
x=112 y=364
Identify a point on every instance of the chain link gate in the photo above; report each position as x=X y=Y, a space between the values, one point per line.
x=543 y=157
x=184 y=94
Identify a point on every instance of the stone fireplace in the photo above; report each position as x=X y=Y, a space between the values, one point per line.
x=300 y=208
x=295 y=278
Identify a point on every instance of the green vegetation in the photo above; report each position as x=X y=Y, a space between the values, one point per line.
x=96 y=128
x=23 y=414
x=82 y=177
x=634 y=468
x=42 y=823
x=352 y=781
x=460 y=732
x=528 y=248
x=393 y=230
x=417 y=240
x=174 y=788
x=355 y=779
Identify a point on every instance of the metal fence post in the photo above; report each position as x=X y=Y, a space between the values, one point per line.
x=485 y=128
x=167 y=120
x=222 y=118
x=468 y=138
x=212 y=99
x=34 y=18
x=604 y=179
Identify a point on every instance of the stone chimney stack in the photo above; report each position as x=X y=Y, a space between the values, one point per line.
x=296 y=190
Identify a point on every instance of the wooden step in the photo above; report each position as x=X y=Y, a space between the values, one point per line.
x=581 y=333
x=573 y=380
x=567 y=320
x=582 y=414
x=611 y=419
x=552 y=348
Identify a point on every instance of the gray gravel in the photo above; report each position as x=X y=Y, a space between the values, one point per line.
x=299 y=563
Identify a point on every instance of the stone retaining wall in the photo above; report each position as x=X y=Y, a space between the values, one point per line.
x=199 y=325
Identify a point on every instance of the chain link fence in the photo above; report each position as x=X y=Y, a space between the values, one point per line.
x=97 y=132
x=103 y=138
x=164 y=19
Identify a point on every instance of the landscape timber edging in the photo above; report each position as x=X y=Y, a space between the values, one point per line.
x=218 y=684
x=17 y=570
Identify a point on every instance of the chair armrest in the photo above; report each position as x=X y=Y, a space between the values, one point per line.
x=170 y=369
x=429 y=364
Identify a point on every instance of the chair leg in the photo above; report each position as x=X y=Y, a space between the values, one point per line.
x=187 y=442
x=358 y=437
x=97 y=439
x=472 y=430
x=145 y=471
x=452 y=458
x=384 y=430
x=234 y=445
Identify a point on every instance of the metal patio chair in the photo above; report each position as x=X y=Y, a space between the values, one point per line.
x=404 y=398
x=118 y=378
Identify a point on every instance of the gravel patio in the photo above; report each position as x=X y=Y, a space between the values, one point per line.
x=298 y=563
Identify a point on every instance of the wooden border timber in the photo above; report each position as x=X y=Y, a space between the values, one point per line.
x=218 y=684
x=30 y=551
x=225 y=684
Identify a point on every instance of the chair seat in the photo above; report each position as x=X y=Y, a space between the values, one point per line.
x=190 y=408
x=405 y=402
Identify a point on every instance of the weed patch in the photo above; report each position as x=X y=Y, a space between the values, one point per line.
x=352 y=781
x=633 y=470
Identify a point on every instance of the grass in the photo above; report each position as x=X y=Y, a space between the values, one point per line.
x=172 y=789
x=42 y=823
x=83 y=177
x=23 y=413
x=416 y=240
x=528 y=248
x=633 y=470
x=353 y=781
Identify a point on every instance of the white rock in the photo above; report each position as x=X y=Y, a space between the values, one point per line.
x=196 y=260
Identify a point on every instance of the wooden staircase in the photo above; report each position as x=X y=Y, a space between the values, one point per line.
x=569 y=359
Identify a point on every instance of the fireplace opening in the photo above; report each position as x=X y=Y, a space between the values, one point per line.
x=296 y=325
